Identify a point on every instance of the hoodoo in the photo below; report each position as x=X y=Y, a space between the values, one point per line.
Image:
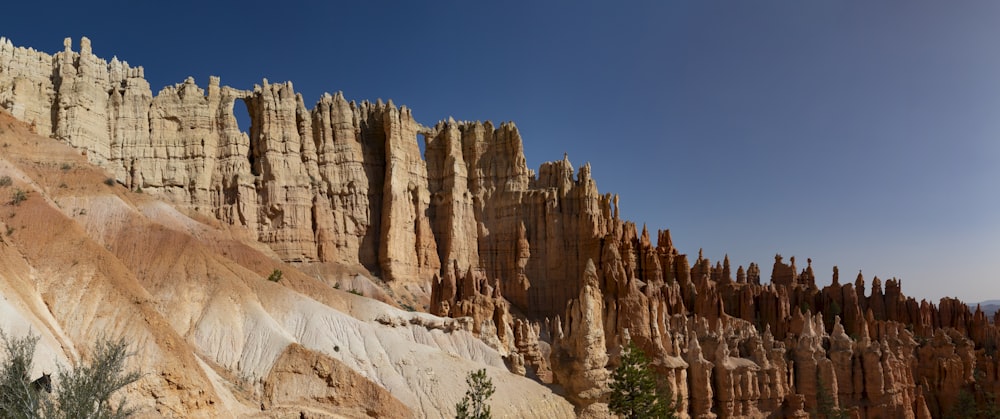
x=531 y=272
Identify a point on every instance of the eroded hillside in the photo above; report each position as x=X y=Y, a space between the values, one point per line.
x=170 y=234
x=83 y=257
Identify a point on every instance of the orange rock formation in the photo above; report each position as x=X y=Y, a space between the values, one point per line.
x=550 y=275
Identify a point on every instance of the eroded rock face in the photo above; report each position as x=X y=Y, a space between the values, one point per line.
x=341 y=182
x=532 y=260
x=579 y=354
x=302 y=378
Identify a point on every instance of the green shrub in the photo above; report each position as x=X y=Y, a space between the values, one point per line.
x=826 y=403
x=275 y=276
x=17 y=399
x=83 y=392
x=356 y=292
x=110 y=181
x=473 y=405
x=18 y=197
x=5 y=181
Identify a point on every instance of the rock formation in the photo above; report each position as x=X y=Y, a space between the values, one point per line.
x=539 y=265
x=579 y=352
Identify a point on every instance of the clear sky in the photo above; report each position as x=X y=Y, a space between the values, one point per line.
x=861 y=134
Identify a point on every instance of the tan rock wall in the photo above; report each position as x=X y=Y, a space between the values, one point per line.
x=345 y=182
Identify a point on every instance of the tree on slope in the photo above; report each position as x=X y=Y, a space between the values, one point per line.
x=473 y=405
x=635 y=393
x=826 y=406
x=83 y=392
x=17 y=398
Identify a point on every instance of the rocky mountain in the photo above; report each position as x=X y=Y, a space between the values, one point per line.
x=532 y=274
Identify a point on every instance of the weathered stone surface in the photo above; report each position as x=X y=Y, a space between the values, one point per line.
x=302 y=378
x=579 y=354
x=471 y=231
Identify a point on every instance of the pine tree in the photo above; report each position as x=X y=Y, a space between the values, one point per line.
x=635 y=393
x=473 y=405
x=964 y=407
x=825 y=403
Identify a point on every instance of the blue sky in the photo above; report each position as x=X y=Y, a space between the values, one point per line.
x=860 y=134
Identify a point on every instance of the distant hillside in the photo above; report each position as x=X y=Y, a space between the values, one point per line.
x=989 y=306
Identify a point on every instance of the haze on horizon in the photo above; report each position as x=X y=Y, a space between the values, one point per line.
x=856 y=134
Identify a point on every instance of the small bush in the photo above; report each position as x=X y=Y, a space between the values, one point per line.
x=5 y=181
x=18 y=197
x=109 y=181
x=355 y=292
x=16 y=396
x=83 y=392
x=65 y=167
x=473 y=405
x=275 y=276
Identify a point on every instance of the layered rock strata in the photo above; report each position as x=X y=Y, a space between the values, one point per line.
x=535 y=259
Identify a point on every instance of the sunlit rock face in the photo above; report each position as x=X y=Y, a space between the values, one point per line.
x=551 y=277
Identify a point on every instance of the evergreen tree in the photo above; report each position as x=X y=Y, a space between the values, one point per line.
x=825 y=404
x=965 y=407
x=473 y=405
x=635 y=393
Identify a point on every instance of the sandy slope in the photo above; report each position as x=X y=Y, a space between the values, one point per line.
x=84 y=259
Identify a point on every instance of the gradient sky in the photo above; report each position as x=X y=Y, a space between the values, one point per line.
x=861 y=134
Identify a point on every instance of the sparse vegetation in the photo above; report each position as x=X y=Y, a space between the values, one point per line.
x=18 y=197
x=980 y=403
x=635 y=392
x=109 y=181
x=473 y=405
x=83 y=392
x=275 y=276
x=964 y=407
x=17 y=399
x=826 y=405
x=66 y=167
x=5 y=181
x=355 y=292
